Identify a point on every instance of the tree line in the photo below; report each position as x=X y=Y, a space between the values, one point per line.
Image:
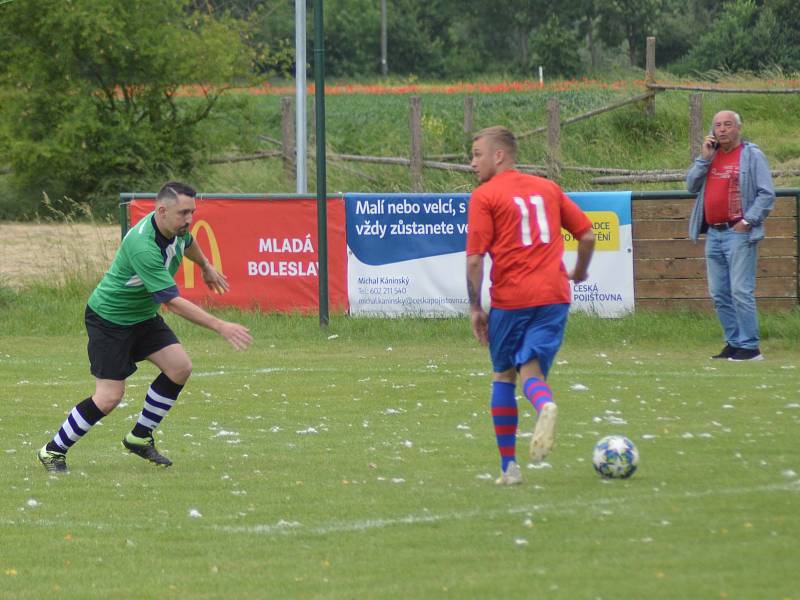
x=465 y=38
x=88 y=88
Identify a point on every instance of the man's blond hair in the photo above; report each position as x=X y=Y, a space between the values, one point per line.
x=499 y=136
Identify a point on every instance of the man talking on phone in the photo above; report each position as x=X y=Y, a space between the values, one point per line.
x=735 y=195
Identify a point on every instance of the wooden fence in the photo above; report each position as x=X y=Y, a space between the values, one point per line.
x=670 y=269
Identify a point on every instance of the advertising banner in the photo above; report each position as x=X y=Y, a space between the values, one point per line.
x=267 y=249
x=405 y=254
x=609 y=290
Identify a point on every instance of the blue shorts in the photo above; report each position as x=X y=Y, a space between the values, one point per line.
x=518 y=336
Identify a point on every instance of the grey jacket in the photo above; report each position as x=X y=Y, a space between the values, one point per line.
x=755 y=185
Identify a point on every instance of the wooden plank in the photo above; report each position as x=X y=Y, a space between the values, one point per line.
x=669 y=268
x=722 y=90
x=690 y=249
x=676 y=209
x=553 y=158
x=469 y=111
x=288 y=137
x=650 y=75
x=770 y=287
x=661 y=209
x=696 y=129
x=688 y=268
x=415 y=118
x=668 y=229
x=591 y=113
x=705 y=305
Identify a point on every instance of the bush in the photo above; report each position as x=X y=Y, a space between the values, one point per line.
x=90 y=108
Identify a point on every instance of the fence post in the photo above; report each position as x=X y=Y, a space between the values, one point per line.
x=415 y=113
x=650 y=76
x=287 y=136
x=696 y=132
x=384 y=56
x=469 y=109
x=553 y=139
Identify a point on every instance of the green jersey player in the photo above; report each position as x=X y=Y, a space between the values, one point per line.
x=124 y=326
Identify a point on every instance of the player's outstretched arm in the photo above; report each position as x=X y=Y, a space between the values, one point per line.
x=585 y=252
x=237 y=335
x=216 y=281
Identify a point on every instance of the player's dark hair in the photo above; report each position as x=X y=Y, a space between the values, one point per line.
x=500 y=136
x=172 y=189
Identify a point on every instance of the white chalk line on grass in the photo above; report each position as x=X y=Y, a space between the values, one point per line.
x=289 y=528
x=244 y=371
x=195 y=374
x=285 y=528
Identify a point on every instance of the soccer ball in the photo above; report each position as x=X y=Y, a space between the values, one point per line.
x=615 y=457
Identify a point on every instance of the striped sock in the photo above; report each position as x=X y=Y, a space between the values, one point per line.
x=504 y=418
x=538 y=392
x=160 y=397
x=78 y=423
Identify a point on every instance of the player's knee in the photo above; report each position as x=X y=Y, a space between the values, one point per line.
x=180 y=373
x=106 y=401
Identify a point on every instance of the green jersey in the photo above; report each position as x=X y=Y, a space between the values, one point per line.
x=141 y=276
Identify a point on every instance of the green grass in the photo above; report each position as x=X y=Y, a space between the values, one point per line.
x=357 y=462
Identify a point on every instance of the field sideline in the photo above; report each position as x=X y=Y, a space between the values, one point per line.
x=358 y=462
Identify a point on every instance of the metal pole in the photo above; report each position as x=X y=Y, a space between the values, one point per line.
x=300 y=95
x=322 y=201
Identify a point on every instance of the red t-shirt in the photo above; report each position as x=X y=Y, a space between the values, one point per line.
x=722 y=201
x=517 y=219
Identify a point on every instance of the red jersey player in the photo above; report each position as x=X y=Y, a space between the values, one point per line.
x=517 y=219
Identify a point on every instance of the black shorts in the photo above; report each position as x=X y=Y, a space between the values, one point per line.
x=115 y=349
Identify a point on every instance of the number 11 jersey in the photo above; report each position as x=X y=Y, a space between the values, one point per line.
x=517 y=219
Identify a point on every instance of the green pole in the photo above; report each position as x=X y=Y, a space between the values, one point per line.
x=322 y=201
x=123 y=216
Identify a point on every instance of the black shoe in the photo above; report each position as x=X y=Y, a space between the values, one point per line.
x=54 y=462
x=146 y=448
x=727 y=352
x=747 y=354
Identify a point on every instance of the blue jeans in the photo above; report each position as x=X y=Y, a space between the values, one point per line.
x=731 y=266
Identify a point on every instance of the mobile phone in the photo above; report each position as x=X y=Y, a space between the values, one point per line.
x=715 y=143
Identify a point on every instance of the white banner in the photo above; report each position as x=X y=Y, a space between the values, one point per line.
x=405 y=254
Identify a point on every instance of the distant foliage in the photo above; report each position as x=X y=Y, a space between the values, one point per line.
x=89 y=107
x=556 y=49
x=748 y=36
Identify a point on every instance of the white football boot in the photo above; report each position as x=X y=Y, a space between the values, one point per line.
x=511 y=476
x=544 y=433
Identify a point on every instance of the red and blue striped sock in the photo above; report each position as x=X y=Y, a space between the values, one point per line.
x=538 y=392
x=504 y=418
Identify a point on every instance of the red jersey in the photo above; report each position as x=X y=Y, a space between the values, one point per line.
x=517 y=219
x=721 y=200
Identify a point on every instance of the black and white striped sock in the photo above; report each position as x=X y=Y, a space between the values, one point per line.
x=160 y=397
x=78 y=423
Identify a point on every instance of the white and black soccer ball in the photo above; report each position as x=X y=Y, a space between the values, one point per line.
x=615 y=457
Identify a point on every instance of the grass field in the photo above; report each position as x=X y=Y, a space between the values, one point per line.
x=358 y=461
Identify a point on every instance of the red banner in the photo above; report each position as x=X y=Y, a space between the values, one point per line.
x=267 y=249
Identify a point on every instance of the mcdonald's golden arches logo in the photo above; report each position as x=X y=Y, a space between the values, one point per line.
x=216 y=258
